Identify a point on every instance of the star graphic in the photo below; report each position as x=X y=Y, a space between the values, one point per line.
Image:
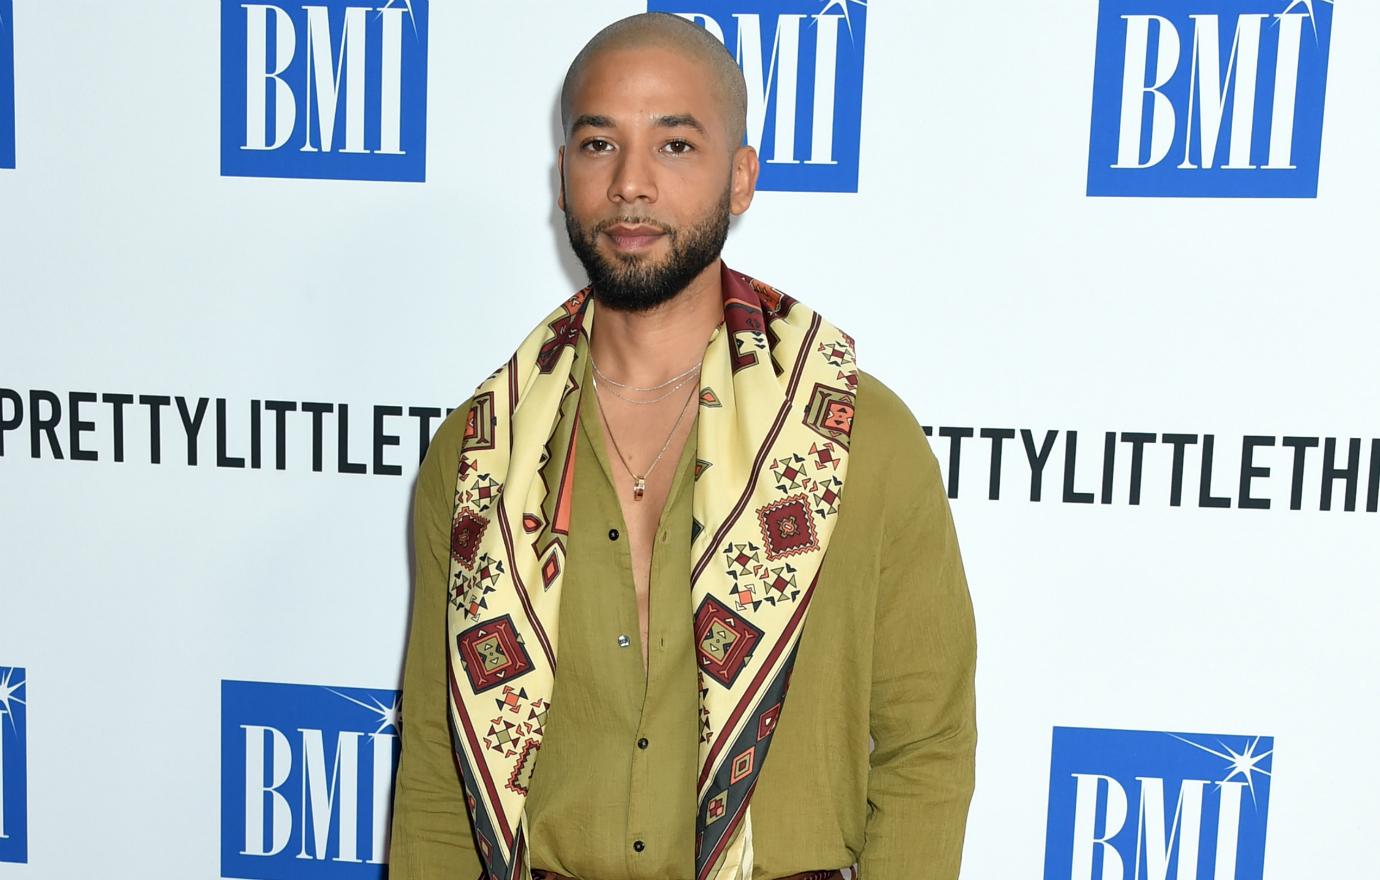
x=411 y=14
x=10 y=685
x=1241 y=763
x=843 y=8
x=389 y=716
x=1308 y=6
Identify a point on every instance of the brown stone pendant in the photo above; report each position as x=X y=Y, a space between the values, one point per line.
x=639 y=487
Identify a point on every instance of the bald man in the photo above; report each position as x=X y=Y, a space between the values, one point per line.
x=682 y=486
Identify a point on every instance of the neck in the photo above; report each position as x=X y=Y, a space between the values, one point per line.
x=646 y=348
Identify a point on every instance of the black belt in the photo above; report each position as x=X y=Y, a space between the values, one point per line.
x=835 y=874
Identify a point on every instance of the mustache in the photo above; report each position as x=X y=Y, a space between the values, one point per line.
x=605 y=225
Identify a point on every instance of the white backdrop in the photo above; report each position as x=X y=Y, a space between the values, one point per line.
x=978 y=278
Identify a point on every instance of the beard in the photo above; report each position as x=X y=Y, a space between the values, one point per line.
x=635 y=283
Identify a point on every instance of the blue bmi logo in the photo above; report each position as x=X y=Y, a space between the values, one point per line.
x=1214 y=98
x=6 y=84
x=306 y=780
x=324 y=89
x=803 y=62
x=1156 y=806
x=14 y=820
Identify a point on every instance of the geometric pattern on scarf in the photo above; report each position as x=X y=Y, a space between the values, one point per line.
x=777 y=400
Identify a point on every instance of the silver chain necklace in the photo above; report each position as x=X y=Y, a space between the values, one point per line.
x=640 y=481
x=609 y=380
x=679 y=385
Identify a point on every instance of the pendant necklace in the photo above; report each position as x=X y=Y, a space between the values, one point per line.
x=640 y=481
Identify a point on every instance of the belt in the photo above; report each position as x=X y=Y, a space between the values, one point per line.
x=803 y=875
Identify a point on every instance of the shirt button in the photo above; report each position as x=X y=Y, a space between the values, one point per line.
x=613 y=534
x=642 y=743
x=639 y=846
x=665 y=536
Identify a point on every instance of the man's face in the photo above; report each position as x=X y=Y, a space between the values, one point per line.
x=649 y=176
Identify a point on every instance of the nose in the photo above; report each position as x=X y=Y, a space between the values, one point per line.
x=633 y=178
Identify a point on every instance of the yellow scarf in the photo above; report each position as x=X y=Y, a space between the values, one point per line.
x=776 y=412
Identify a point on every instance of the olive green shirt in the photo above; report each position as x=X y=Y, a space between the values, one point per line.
x=887 y=655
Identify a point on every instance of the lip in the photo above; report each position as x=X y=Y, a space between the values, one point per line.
x=634 y=237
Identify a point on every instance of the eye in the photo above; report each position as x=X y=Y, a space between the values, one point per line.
x=679 y=147
x=596 y=145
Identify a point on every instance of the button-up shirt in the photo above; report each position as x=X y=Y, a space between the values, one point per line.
x=872 y=759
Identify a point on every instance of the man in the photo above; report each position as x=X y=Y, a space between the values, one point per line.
x=666 y=487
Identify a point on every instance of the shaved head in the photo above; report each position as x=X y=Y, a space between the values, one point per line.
x=652 y=163
x=662 y=30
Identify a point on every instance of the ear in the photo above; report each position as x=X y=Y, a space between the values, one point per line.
x=560 y=169
x=744 y=184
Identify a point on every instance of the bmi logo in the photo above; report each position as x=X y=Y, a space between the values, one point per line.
x=1137 y=805
x=324 y=89
x=14 y=820
x=306 y=780
x=6 y=84
x=803 y=62
x=1219 y=98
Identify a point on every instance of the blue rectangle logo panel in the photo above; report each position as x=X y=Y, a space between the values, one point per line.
x=6 y=84
x=14 y=777
x=324 y=89
x=1157 y=805
x=1209 y=98
x=306 y=780
x=803 y=63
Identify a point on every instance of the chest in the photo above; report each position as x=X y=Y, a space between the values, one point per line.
x=642 y=448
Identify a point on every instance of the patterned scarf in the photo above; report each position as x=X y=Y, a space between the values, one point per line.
x=776 y=412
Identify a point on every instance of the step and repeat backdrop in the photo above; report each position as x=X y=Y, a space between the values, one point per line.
x=1118 y=256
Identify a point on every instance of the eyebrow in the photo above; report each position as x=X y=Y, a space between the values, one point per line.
x=679 y=120
x=674 y=120
x=592 y=121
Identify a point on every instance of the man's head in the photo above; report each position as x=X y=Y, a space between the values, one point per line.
x=653 y=109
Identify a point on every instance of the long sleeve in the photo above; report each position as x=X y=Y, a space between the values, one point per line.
x=922 y=713
x=431 y=837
